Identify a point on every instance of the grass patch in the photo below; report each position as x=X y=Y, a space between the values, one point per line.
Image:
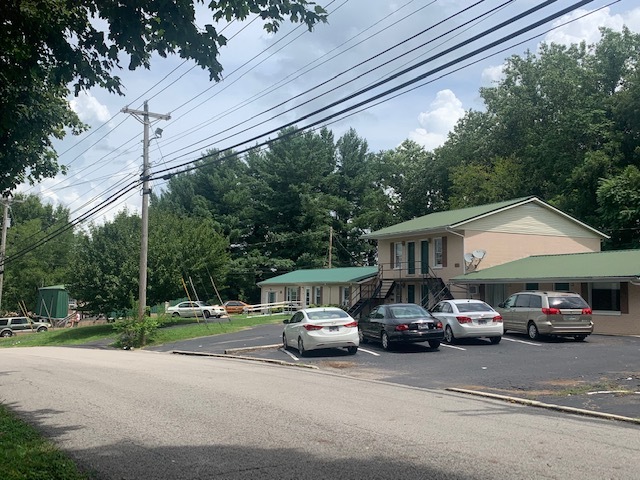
x=184 y=331
x=171 y=330
x=25 y=454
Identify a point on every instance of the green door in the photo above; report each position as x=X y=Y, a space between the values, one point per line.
x=424 y=257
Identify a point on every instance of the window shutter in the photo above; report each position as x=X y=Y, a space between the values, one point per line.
x=444 y=251
x=624 y=297
x=392 y=254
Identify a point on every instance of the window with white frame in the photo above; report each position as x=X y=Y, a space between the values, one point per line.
x=397 y=255
x=293 y=294
x=346 y=295
x=437 y=252
x=317 y=295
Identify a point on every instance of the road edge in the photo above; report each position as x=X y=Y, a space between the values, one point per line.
x=548 y=406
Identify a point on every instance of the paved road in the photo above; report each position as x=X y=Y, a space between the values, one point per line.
x=134 y=415
x=555 y=371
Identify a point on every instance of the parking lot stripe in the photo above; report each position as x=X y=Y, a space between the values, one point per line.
x=522 y=341
x=368 y=351
x=451 y=346
x=290 y=354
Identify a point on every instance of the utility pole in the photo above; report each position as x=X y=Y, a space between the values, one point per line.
x=143 y=117
x=3 y=244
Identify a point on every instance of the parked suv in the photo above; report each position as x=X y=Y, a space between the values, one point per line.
x=9 y=326
x=547 y=313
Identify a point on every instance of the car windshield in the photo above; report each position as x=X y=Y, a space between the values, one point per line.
x=567 y=302
x=327 y=314
x=408 y=311
x=473 y=307
x=203 y=304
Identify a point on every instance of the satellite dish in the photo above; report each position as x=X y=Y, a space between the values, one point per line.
x=468 y=257
x=479 y=254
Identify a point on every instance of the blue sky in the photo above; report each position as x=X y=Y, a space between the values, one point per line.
x=263 y=70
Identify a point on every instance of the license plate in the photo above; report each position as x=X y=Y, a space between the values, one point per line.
x=334 y=329
x=423 y=326
x=482 y=321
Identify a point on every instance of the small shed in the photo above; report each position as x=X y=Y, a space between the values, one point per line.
x=53 y=302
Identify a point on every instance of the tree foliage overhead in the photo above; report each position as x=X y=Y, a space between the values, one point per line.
x=45 y=47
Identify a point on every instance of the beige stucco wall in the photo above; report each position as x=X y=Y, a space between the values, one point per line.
x=505 y=247
x=330 y=293
x=455 y=263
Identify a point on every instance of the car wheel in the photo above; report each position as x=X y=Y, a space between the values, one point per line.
x=42 y=329
x=448 y=335
x=495 y=340
x=434 y=343
x=361 y=336
x=386 y=343
x=579 y=338
x=301 y=349
x=175 y=314
x=284 y=342
x=532 y=330
x=352 y=350
x=206 y=314
x=6 y=333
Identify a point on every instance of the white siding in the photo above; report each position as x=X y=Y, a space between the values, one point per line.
x=530 y=219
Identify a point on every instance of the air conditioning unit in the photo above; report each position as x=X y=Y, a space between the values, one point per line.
x=473 y=289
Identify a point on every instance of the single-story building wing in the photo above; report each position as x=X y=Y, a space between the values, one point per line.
x=322 y=286
x=609 y=281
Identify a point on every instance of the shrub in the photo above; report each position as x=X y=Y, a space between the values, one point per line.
x=134 y=333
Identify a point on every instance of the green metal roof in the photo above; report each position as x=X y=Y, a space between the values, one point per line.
x=618 y=264
x=440 y=221
x=318 y=276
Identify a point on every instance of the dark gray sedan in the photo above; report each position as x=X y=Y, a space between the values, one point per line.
x=400 y=323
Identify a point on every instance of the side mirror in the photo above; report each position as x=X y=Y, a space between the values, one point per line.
x=285 y=321
x=501 y=305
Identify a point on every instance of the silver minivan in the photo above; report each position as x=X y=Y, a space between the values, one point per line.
x=547 y=313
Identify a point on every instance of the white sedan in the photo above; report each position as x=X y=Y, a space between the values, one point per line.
x=317 y=328
x=468 y=319
x=196 y=309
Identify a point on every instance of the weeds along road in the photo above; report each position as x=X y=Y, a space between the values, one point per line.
x=138 y=414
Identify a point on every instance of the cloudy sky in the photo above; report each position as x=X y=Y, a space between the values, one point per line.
x=274 y=80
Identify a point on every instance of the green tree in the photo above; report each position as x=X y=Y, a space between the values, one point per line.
x=106 y=270
x=48 y=47
x=619 y=200
x=28 y=269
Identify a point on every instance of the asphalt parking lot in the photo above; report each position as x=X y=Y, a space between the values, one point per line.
x=601 y=374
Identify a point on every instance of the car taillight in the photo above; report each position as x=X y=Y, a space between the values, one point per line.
x=551 y=311
x=463 y=319
x=497 y=319
x=438 y=324
x=587 y=311
x=351 y=324
x=402 y=327
x=308 y=327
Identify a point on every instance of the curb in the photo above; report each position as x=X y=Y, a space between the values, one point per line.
x=240 y=357
x=251 y=349
x=548 y=406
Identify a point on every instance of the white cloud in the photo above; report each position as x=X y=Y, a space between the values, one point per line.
x=437 y=122
x=492 y=74
x=89 y=109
